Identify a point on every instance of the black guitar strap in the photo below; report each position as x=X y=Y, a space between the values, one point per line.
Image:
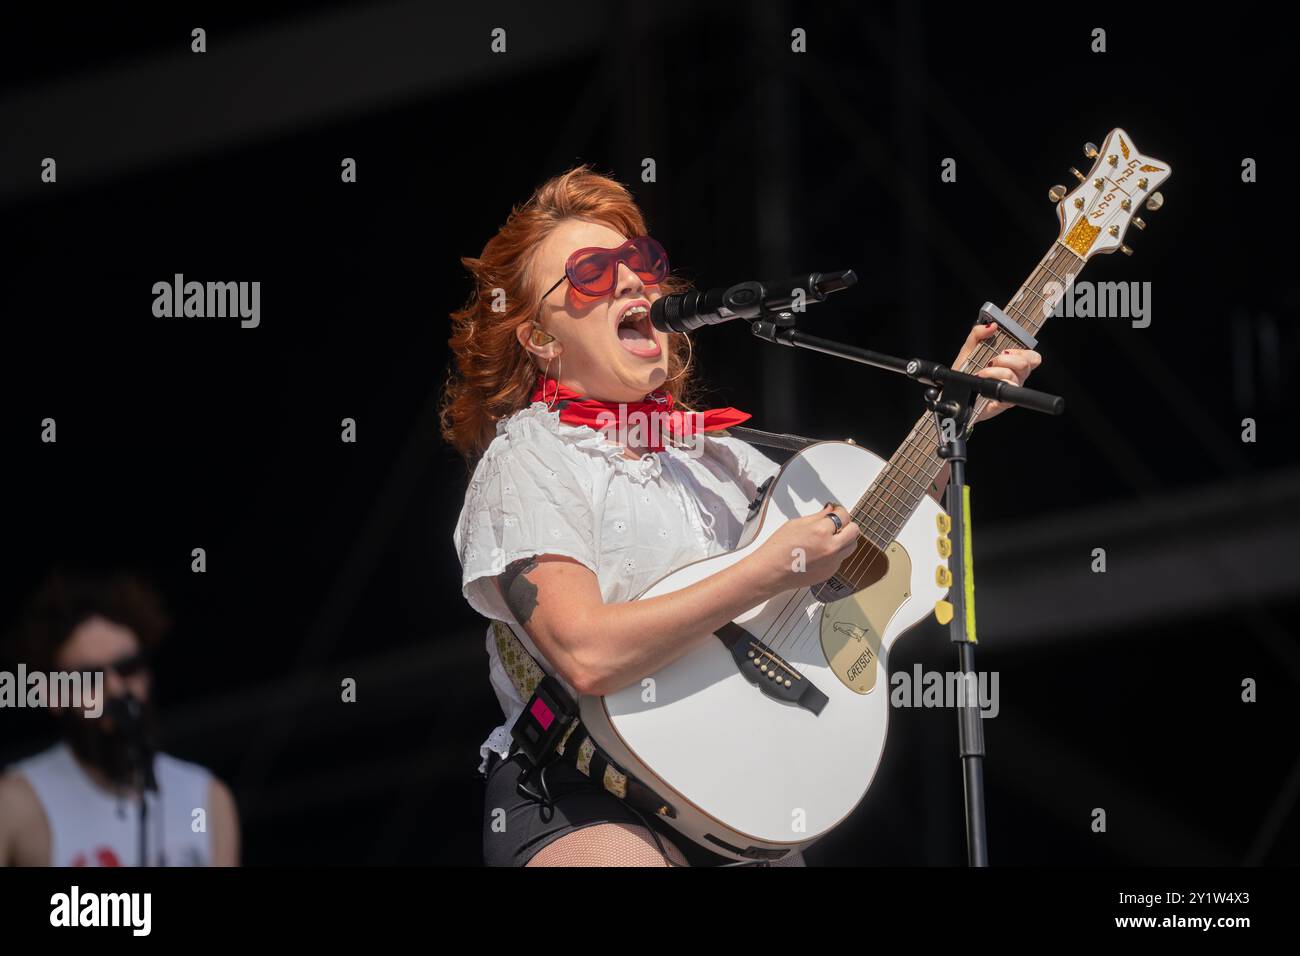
x=757 y=436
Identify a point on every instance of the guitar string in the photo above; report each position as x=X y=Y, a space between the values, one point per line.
x=896 y=482
x=920 y=460
x=908 y=452
x=890 y=485
x=909 y=455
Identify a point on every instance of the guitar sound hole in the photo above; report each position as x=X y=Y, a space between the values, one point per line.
x=867 y=565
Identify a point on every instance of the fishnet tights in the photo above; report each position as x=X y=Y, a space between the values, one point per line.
x=618 y=844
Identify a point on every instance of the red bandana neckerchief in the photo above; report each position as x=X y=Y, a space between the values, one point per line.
x=657 y=407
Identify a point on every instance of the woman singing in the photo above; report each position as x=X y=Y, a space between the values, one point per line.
x=564 y=525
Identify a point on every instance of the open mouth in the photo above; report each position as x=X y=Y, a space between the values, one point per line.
x=636 y=334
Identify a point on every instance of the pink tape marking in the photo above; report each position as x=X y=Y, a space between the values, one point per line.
x=542 y=713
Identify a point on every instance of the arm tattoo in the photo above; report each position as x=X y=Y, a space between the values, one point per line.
x=519 y=592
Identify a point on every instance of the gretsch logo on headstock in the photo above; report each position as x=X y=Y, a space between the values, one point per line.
x=1115 y=191
x=1087 y=227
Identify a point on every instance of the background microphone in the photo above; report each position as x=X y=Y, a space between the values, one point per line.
x=688 y=311
x=125 y=711
x=128 y=713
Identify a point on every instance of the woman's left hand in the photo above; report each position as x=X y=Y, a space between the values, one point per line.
x=1011 y=365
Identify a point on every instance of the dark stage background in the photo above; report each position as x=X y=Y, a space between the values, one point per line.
x=329 y=560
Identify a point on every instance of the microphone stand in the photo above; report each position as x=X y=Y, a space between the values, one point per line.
x=140 y=755
x=145 y=776
x=955 y=402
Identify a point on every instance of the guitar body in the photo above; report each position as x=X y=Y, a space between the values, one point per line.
x=748 y=773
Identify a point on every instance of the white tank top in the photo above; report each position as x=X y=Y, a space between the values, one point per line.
x=91 y=827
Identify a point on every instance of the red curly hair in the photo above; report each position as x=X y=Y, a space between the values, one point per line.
x=494 y=376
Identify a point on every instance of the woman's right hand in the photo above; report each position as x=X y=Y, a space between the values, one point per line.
x=806 y=551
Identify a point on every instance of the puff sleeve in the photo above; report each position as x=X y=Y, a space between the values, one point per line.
x=525 y=498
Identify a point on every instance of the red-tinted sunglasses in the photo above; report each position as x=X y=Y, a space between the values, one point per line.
x=594 y=271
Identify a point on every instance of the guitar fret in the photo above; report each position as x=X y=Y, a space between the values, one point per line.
x=910 y=455
x=918 y=485
x=900 y=509
x=906 y=493
x=893 y=501
x=886 y=521
x=898 y=513
x=883 y=526
x=914 y=482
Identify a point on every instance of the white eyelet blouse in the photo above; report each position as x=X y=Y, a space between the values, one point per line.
x=545 y=487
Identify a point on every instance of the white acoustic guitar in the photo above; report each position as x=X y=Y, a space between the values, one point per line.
x=766 y=736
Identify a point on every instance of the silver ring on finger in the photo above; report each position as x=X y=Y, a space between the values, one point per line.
x=839 y=525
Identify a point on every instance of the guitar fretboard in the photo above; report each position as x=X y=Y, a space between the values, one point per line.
x=912 y=469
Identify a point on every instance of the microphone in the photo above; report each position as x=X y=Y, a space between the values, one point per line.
x=125 y=710
x=128 y=713
x=688 y=311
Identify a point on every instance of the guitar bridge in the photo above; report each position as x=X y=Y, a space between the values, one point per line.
x=767 y=671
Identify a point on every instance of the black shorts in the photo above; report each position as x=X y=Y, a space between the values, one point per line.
x=578 y=803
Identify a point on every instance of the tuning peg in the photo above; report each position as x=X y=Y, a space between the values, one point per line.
x=1077 y=175
x=1139 y=223
x=1056 y=193
x=1090 y=150
x=1155 y=201
x=1126 y=250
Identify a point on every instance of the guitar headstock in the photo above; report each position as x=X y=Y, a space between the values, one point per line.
x=1096 y=214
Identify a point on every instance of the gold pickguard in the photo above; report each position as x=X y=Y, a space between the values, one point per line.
x=851 y=626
